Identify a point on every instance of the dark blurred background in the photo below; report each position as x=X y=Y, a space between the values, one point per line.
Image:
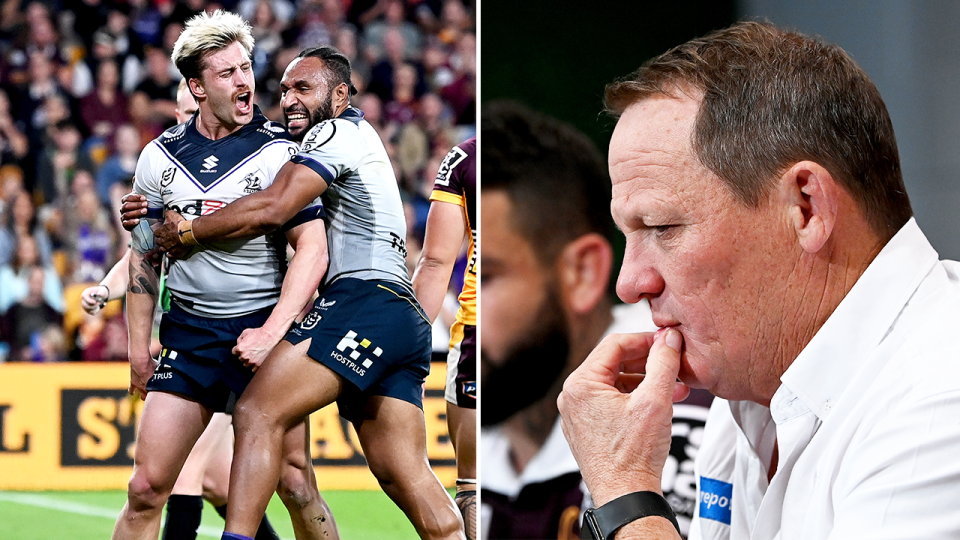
x=557 y=57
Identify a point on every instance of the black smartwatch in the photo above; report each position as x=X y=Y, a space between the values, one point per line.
x=604 y=522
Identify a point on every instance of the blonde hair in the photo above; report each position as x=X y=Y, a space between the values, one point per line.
x=208 y=33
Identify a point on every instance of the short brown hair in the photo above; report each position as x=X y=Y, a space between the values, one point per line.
x=772 y=98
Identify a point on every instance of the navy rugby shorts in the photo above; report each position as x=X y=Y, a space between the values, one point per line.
x=461 y=386
x=373 y=334
x=197 y=360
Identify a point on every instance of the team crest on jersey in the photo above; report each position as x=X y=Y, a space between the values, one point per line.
x=311 y=320
x=253 y=183
x=319 y=136
x=210 y=164
x=453 y=158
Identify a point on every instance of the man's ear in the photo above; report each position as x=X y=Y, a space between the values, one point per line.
x=196 y=88
x=813 y=197
x=341 y=94
x=583 y=268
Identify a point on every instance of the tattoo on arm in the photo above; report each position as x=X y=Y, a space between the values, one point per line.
x=143 y=279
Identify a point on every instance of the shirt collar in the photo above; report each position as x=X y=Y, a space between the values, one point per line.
x=822 y=371
x=554 y=459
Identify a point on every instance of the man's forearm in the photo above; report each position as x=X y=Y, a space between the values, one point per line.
x=306 y=269
x=430 y=281
x=142 y=294
x=295 y=187
x=247 y=217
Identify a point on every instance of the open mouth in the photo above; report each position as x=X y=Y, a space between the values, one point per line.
x=296 y=118
x=243 y=102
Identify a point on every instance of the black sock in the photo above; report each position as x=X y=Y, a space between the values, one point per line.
x=265 y=532
x=183 y=517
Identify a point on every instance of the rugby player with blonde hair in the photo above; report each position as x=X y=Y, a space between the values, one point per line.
x=235 y=294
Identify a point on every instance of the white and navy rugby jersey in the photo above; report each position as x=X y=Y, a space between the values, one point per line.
x=184 y=171
x=366 y=230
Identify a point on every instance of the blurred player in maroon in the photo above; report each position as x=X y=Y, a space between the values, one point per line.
x=452 y=220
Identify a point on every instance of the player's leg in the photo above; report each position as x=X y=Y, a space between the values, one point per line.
x=393 y=435
x=309 y=513
x=287 y=387
x=185 y=505
x=169 y=426
x=461 y=397
x=462 y=423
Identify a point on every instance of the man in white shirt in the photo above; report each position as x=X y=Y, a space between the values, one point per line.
x=757 y=181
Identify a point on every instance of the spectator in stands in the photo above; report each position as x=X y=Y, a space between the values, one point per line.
x=59 y=161
x=381 y=76
x=22 y=221
x=403 y=106
x=119 y=167
x=14 y=144
x=394 y=18
x=25 y=321
x=105 y=109
x=461 y=94
x=92 y=240
x=15 y=276
x=154 y=102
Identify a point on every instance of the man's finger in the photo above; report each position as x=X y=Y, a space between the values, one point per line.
x=663 y=364
x=616 y=351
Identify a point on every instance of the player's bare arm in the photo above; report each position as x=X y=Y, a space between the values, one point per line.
x=142 y=293
x=446 y=231
x=309 y=263
x=294 y=188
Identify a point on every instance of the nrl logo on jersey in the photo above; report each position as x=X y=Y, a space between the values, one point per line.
x=253 y=183
x=167 y=177
x=452 y=159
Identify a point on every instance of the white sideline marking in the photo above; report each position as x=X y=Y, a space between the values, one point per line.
x=63 y=505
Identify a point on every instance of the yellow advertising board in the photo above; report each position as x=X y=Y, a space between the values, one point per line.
x=72 y=426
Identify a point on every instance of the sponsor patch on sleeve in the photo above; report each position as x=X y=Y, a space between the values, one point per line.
x=715 y=498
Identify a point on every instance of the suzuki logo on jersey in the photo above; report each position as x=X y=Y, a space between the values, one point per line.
x=210 y=164
x=253 y=183
x=349 y=360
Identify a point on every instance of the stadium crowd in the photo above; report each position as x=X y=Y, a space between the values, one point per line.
x=85 y=84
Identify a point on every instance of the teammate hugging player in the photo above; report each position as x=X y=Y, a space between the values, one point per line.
x=230 y=290
x=367 y=313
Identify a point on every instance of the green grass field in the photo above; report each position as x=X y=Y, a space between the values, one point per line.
x=90 y=515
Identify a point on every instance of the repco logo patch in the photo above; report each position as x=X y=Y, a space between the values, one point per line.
x=715 y=498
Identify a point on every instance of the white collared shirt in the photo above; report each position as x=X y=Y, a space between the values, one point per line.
x=867 y=419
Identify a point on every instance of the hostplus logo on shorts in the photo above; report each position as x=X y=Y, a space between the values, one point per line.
x=351 y=359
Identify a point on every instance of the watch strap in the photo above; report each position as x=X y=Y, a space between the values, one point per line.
x=604 y=522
